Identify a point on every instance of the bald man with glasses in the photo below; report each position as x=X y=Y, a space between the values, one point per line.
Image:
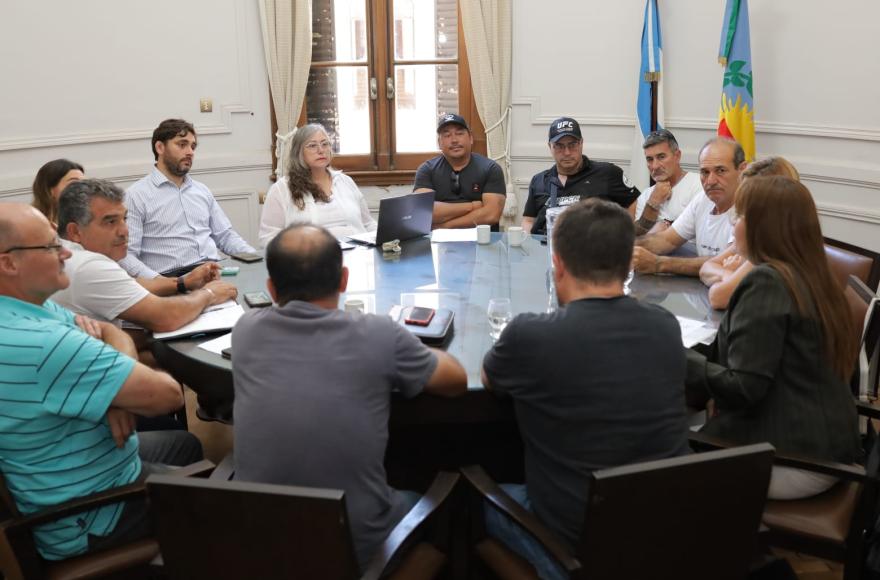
x=574 y=177
x=70 y=388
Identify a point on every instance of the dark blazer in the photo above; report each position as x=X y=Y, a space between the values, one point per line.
x=770 y=379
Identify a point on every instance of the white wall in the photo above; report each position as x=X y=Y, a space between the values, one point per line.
x=91 y=80
x=817 y=90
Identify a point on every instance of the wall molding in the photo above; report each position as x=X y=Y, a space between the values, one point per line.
x=240 y=20
x=539 y=118
x=848 y=212
x=267 y=167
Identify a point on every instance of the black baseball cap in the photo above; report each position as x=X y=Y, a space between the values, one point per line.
x=564 y=126
x=451 y=118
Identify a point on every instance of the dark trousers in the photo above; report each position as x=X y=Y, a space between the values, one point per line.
x=160 y=452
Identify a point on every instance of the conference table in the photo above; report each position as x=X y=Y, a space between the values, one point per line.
x=430 y=432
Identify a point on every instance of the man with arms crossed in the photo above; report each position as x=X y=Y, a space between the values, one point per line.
x=92 y=221
x=580 y=403
x=469 y=188
x=325 y=424
x=573 y=178
x=707 y=219
x=70 y=386
x=174 y=221
x=673 y=188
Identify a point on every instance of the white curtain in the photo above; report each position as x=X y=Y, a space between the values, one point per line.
x=487 y=34
x=287 y=46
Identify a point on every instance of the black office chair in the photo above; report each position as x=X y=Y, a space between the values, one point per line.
x=691 y=517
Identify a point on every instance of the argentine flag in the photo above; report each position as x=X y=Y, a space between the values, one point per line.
x=652 y=65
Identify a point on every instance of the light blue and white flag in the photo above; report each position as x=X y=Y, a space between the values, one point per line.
x=649 y=71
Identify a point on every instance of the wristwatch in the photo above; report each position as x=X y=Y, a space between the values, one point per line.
x=181 y=286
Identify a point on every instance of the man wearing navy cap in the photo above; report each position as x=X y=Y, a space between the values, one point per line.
x=573 y=178
x=469 y=188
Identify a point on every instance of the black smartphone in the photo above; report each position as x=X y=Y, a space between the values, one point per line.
x=257 y=299
x=226 y=352
x=246 y=257
x=419 y=316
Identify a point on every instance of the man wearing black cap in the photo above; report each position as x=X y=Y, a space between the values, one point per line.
x=469 y=188
x=573 y=178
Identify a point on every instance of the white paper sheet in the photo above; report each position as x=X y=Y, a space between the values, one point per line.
x=228 y=304
x=454 y=235
x=695 y=332
x=223 y=319
x=216 y=345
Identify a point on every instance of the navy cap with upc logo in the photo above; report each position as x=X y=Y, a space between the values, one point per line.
x=564 y=126
x=451 y=118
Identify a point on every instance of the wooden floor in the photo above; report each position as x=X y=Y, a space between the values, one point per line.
x=216 y=439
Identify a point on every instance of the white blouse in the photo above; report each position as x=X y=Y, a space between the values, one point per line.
x=346 y=213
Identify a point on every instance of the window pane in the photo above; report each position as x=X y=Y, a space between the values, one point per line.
x=425 y=29
x=337 y=97
x=423 y=93
x=339 y=30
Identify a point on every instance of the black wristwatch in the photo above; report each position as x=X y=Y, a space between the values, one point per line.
x=181 y=286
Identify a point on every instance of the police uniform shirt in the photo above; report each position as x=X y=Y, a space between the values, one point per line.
x=480 y=175
x=595 y=179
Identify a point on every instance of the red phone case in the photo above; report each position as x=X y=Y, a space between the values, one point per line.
x=420 y=321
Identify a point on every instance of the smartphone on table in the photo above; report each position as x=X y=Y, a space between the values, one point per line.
x=419 y=316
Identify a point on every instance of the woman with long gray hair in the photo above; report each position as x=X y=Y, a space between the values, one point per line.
x=313 y=192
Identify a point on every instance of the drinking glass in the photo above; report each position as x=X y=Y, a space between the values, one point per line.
x=499 y=315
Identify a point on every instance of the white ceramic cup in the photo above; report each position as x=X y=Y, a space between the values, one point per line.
x=354 y=305
x=484 y=234
x=515 y=236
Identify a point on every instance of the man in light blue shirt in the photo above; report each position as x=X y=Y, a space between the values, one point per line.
x=69 y=387
x=173 y=220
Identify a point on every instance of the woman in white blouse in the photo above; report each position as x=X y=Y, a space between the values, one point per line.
x=312 y=192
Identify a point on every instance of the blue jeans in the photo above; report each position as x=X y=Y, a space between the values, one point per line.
x=517 y=539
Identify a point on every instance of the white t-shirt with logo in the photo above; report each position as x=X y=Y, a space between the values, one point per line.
x=711 y=233
x=682 y=194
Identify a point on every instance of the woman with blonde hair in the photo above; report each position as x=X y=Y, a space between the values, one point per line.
x=313 y=192
x=50 y=181
x=786 y=347
x=725 y=271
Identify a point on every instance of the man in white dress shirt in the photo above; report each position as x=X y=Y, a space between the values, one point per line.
x=174 y=221
x=661 y=204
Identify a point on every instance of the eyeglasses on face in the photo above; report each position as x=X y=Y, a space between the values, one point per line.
x=456 y=183
x=315 y=146
x=54 y=247
x=570 y=146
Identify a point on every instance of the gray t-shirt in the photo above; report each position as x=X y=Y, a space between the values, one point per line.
x=312 y=399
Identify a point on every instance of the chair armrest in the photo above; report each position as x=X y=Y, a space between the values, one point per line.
x=867 y=409
x=201 y=468
x=441 y=488
x=834 y=469
x=485 y=486
x=225 y=470
x=701 y=442
x=82 y=504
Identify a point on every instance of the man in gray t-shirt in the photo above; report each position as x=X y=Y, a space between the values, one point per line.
x=313 y=385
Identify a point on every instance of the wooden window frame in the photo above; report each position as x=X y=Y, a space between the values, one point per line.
x=384 y=167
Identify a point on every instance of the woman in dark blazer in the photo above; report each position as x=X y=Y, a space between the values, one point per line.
x=779 y=367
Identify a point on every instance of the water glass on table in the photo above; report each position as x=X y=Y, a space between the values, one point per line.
x=500 y=314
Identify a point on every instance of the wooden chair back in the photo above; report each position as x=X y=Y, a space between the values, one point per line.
x=231 y=529
x=690 y=517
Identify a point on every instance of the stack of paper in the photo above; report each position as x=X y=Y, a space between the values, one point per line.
x=695 y=332
x=454 y=235
x=213 y=321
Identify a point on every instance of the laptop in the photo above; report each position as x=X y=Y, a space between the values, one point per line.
x=400 y=218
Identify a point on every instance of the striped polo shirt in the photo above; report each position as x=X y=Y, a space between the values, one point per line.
x=56 y=384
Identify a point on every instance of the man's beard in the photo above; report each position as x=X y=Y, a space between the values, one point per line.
x=177 y=169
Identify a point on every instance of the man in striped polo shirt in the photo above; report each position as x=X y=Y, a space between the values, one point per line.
x=69 y=387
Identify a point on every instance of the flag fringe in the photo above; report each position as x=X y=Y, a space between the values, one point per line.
x=652 y=77
x=722 y=60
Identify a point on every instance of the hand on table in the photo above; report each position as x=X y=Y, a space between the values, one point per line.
x=643 y=261
x=202 y=275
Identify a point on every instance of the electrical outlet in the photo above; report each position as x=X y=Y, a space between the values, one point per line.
x=206 y=105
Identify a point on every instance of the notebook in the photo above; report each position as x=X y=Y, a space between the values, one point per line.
x=401 y=218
